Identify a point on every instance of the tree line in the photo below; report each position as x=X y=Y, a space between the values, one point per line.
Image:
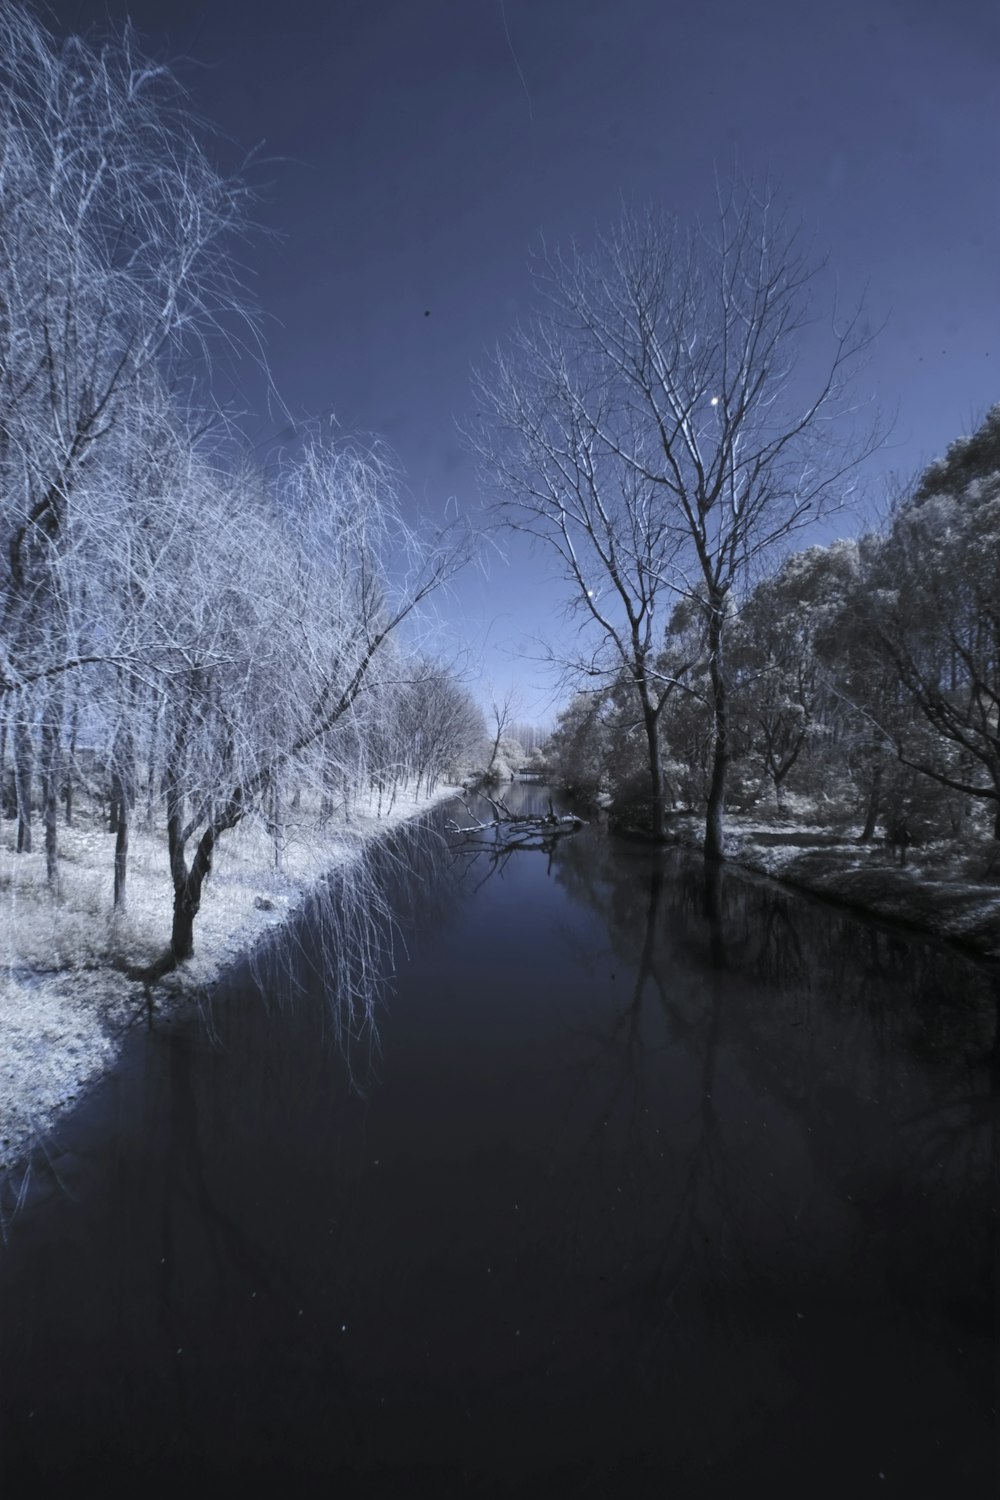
x=666 y=425
x=194 y=638
x=864 y=674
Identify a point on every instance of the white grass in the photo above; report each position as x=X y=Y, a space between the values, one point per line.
x=933 y=891
x=64 y=1000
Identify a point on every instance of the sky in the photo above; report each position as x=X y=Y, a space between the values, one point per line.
x=408 y=154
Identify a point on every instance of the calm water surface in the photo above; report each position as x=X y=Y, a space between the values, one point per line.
x=653 y=1188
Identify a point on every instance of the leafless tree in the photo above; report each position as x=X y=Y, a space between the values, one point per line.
x=443 y=724
x=503 y=710
x=651 y=427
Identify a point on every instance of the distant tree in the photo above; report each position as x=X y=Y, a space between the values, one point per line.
x=531 y=736
x=446 y=725
x=648 y=427
x=502 y=712
x=867 y=699
x=579 y=747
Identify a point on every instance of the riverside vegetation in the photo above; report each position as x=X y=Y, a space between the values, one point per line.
x=207 y=672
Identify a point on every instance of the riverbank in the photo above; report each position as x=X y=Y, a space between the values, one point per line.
x=67 y=1000
x=947 y=890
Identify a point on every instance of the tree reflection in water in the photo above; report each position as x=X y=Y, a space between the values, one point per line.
x=342 y=953
x=794 y=1009
x=659 y=1184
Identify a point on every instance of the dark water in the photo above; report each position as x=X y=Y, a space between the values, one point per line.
x=655 y=1189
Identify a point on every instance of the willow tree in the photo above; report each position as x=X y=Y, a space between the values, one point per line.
x=116 y=233
x=651 y=426
x=278 y=612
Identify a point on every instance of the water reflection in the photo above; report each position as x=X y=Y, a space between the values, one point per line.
x=651 y=1184
x=787 y=1006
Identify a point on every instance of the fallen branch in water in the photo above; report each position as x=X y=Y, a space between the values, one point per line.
x=517 y=830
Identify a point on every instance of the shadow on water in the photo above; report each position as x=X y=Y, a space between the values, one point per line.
x=646 y=1182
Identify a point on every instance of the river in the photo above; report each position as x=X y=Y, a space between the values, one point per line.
x=647 y=1186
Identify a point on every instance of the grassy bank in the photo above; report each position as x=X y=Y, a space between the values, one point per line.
x=66 y=996
x=949 y=889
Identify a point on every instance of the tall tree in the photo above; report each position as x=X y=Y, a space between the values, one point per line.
x=650 y=426
x=115 y=229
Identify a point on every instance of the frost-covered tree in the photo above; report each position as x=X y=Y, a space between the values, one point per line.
x=503 y=709
x=115 y=228
x=279 y=638
x=443 y=724
x=192 y=642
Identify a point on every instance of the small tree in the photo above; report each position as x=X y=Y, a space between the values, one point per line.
x=502 y=713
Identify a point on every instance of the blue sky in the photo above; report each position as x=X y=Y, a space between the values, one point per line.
x=408 y=156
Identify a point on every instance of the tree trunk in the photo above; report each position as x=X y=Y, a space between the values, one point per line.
x=71 y=766
x=122 y=799
x=656 y=784
x=121 y=858
x=153 y=778
x=51 y=735
x=187 y=896
x=23 y=767
x=716 y=810
x=277 y=824
x=874 y=804
x=3 y=766
x=182 y=930
x=187 y=882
